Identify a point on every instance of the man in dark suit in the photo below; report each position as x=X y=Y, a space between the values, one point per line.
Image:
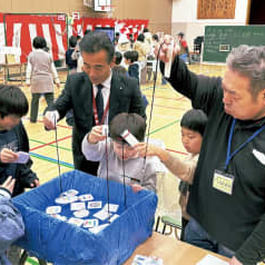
x=96 y=95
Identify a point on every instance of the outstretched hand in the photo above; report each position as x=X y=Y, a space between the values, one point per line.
x=151 y=150
x=161 y=49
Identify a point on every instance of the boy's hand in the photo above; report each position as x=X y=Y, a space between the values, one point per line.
x=8 y=156
x=35 y=183
x=136 y=188
x=96 y=135
x=152 y=150
x=9 y=184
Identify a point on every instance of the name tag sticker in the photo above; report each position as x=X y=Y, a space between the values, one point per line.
x=223 y=182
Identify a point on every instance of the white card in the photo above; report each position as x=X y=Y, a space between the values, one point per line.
x=89 y=223
x=75 y=221
x=53 y=209
x=210 y=259
x=85 y=197
x=66 y=199
x=129 y=138
x=113 y=217
x=145 y=260
x=76 y=206
x=97 y=229
x=70 y=193
x=23 y=157
x=105 y=130
x=102 y=215
x=94 y=205
x=81 y=213
x=58 y=216
x=112 y=207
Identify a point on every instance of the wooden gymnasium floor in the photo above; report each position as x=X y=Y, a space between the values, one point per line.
x=168 y=109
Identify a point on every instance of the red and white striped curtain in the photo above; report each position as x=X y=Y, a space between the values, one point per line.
x=21 y=29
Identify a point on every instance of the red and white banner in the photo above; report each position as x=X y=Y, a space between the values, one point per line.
x=2 y=37
x=23 y=28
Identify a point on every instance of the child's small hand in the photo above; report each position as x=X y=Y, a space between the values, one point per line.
x=9 y=184
x=151 y=149
x=136 y=188
x=96 y=135
x=8 y=156
x=35 y=183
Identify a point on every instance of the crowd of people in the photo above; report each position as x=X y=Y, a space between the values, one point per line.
x=223 y=185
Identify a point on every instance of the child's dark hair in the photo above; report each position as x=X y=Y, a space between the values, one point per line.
x=181 y=34
x=72 y=41
x=131 y=55
x=132 y=122
x=118 y=58
x=155 y=37
x=195 y=120
x=39 y=42
x=12 y=101
x=141 y=37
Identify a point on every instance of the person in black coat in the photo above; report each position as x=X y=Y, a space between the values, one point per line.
x=119 y=93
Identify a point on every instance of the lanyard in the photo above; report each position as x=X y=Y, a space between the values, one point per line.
x=95 y=112
x=228 y=154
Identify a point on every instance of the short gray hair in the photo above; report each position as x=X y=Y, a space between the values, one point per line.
x=250 y=62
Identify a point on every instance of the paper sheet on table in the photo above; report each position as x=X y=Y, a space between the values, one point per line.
x=210 y=259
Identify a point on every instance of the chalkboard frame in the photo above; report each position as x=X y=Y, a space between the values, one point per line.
x=216 y=38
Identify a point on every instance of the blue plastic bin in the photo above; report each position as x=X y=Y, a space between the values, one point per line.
x=62 y=243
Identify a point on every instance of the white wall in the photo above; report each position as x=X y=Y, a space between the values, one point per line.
x=184 y=18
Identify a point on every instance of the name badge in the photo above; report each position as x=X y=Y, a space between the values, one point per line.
x=223 y=182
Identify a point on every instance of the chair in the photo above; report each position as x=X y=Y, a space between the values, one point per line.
x=172 y=223
x=24 y=257
x=11 y=63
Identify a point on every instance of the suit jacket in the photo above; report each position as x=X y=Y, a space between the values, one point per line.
x=125 y=96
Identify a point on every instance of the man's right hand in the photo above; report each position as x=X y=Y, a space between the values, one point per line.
x=50 y=119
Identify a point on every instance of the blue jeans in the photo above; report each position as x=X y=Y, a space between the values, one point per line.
x=196 y=235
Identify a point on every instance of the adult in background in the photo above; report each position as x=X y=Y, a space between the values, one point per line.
x=40 y=74
x=142 y=49
x=184 y=49
x=96 y=95
x=227 y=197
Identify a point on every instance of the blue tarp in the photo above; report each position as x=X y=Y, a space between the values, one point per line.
x=62 y=243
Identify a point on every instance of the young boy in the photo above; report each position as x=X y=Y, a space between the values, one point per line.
x=192 y=125
x=121 y=156
x=70 y=62
x=13 y=138
x=131 y=58
x=117 y=64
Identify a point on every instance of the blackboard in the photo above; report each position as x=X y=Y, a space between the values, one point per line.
x=219 y=40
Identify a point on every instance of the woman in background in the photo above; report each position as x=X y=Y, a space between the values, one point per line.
x=39 y=76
